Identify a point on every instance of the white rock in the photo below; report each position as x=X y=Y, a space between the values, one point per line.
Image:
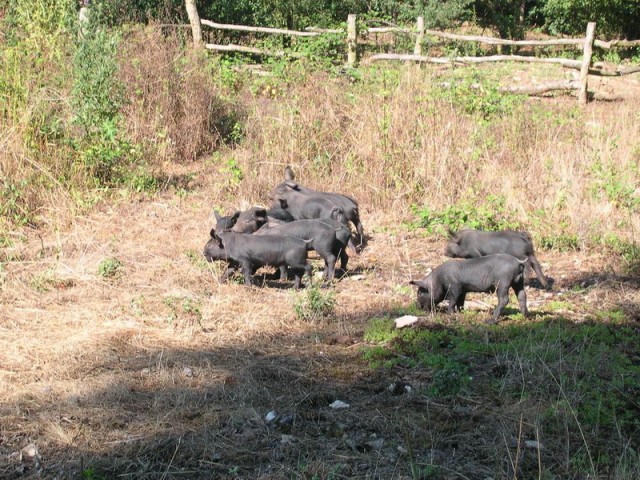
x=30 y=451
x=187 y=372
x=271 y=416
x=405 y=321
x=339 y=404
x=376 y=444
x=357 y=277
x=533 y=444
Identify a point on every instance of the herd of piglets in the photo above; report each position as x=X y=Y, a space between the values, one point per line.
x=302 y=219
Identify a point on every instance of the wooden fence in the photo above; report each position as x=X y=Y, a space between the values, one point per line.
x=352 y=41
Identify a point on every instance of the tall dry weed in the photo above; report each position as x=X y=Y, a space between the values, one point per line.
x=397 y=142
x=173 y=107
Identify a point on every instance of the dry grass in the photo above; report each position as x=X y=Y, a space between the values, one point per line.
x=160 y=372
x=421 y=150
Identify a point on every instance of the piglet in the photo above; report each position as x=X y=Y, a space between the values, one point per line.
x=455 y=278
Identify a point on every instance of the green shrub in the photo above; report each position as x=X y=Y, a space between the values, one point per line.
x=314 y=303
x=491 y=215
x=13 y=205
x=110 y=268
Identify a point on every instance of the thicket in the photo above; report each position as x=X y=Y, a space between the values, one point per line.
x=86 y=108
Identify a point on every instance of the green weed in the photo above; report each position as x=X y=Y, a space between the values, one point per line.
x=614 y=185
x=490 y=215
x=314 y=304
x=183 y=311
x=13 y=203
x=232 y=173
x=110 y=268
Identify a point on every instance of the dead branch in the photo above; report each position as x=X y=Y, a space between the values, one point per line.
x=245 y=28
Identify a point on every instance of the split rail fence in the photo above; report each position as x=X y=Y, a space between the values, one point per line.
x=352 y=41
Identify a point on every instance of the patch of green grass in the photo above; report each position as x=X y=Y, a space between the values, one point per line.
x=562 y=242
x=110 y=268
x=584 y=378
x=197 y=259
x=183 y=311
x=615 y=315
x=557 y=305
x=314 y=303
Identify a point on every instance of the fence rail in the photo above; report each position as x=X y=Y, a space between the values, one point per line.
x=352 y=36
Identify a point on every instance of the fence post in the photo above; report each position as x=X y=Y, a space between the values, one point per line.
x=586 y=62
x=352 y=40
x=417 y=50
x=194 y=20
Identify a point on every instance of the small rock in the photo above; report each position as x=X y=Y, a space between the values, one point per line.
x=187 y=372
x=30 y=451
x=339 y=404
x=405 y=321
x=271 y=416
x=533 y=444
x=145 y=371
x=286 y=418
x=287 y=439
x=357 y=277
x=376 y=444
x=402 y=450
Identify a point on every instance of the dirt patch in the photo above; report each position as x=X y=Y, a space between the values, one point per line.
x=159 y=371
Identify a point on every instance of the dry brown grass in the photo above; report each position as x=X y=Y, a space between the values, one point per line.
x=119 y=376
x=173 y=106
x=161 y=372
x=394 y=145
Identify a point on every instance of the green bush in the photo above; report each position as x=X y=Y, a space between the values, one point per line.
x=492 y=215
x=314 y=304
x=110 y=268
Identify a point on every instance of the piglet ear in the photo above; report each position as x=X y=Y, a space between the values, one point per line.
x=213 y=233
x=235 y=216
x=419 y=283
x=283 y=203
x=217 y=215
x=260 y=213
x=288 y=173
x=452 y=233
x=292 y=185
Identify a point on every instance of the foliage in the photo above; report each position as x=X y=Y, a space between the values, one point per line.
x=613 y=17
x=97 y=96
x=506 y=16
x=478 y=96
x=629 y=252
x=615 y=185
x=118 y=12
x=184 y=311
x=12 y=202
x=314 y=304
x=492 y=215
x=110 y=268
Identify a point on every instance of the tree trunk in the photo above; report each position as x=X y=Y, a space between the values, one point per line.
x=194 y=19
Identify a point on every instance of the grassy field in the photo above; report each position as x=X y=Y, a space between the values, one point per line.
x=121 y=356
